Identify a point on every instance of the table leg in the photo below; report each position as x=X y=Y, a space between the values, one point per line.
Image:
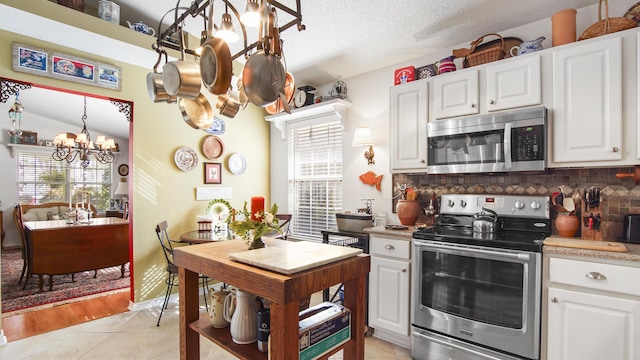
x=189 y=312
x=355 y=299
x=284 y=330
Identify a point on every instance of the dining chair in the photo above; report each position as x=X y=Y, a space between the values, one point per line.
x=26 y=269
x=283 y=222
x=172 y=270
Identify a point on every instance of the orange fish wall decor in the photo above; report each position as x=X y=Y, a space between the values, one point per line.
x=370 y=178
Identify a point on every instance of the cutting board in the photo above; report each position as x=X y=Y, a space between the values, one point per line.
x=295 y=257
x=585 y=244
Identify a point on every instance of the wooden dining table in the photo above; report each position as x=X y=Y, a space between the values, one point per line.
x=55 y=247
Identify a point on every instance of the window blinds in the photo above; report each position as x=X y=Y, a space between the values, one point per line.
x=315 y=177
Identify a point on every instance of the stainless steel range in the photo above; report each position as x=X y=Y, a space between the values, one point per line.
x=477 y=284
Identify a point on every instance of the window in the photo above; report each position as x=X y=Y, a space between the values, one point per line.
x=315 y=177
x=42 y=179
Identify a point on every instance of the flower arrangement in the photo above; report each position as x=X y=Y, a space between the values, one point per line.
x=252 y=230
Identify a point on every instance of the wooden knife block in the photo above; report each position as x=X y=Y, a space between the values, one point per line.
x=586 y=233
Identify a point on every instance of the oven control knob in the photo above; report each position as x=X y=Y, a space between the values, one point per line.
x=535 y=205
x=451 y=203
x=519 y=204
x=463 y=203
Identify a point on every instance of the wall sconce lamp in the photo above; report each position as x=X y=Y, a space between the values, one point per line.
x=363 y=137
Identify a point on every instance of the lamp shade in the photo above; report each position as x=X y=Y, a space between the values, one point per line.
x=123 y=187
x=362 y=137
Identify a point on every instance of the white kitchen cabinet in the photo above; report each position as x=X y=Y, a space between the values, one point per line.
x=587 y=102
x=593 y=311
x=456 y=94
x=514 y=83
x=408 y=112
x=389 y=289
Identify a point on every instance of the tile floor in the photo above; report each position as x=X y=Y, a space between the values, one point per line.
x=134 y=335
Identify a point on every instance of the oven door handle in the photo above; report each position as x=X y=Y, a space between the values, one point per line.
x=507 y=145
x=457 y=250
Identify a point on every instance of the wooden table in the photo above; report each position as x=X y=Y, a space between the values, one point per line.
x=198 y=237
x=55 y=247
x=284 y=292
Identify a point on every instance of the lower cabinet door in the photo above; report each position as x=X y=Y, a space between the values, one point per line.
x=586 y=326
x=389 y=295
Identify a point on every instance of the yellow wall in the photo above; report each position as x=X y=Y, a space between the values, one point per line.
x=160 y=190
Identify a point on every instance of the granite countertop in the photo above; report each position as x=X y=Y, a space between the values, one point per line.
x=632 y=254
x=401 y=234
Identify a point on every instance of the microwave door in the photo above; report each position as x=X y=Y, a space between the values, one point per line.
x=507 y=145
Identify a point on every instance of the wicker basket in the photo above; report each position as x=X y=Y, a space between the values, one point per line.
x=607 y=25
x=485 y=56
x=74 y=4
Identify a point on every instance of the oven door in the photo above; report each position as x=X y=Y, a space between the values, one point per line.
x=487 y=296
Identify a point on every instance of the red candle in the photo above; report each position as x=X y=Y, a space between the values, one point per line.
x=257 y=205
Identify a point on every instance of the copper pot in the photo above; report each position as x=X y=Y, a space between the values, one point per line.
x=197 y=112
x=289 y=89
x=216 y=66
x=155 y=85
x=228 y=104
x=182 y=77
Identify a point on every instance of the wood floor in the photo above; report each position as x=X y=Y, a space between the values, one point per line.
x=41 y=321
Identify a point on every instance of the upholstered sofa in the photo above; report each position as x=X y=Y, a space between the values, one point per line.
x=47 y=211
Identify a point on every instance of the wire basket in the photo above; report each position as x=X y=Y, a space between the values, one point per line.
x=485 y=56
x=607 y=25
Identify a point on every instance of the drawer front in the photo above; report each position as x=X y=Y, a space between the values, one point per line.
x=607 y=277
x=400 y=249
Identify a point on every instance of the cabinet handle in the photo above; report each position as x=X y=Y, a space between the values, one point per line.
x=404 y=270
x=594 y=275
x=422 y=161
x=389 y=247
x=615 y=149
x=554 y=299
x=491 y=102
x=472 y=105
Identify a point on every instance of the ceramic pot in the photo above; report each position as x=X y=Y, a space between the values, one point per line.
x=74 y=4
x=240 y=311
x=408 y=211
x=563 y=27
x=567 y=225
x=216 y=312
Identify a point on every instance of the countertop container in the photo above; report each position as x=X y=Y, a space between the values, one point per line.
x=631 y=233
x=354 y=222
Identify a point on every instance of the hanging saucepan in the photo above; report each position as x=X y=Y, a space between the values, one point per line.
x=228 y=104
x=155 y=87
x=216 y=67
x=289 y=89
x=197 y=112
x=263 y=75
x=182 y=77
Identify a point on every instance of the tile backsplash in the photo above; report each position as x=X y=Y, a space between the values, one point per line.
x=619 y=196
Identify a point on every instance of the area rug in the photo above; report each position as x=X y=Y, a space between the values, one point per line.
x=14 y=298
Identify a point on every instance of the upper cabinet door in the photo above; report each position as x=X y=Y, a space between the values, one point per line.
x=514 y=83
x=408 y=111
x=587 y=106
x=456 y=94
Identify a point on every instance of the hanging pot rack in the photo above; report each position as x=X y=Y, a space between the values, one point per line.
x=198 y=8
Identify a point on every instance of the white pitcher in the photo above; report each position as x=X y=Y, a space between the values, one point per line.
x=240 y=311
x=216 y=311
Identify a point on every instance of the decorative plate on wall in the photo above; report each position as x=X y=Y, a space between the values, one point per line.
x=185 y=158
x=237 y=164
x=212 y=147
x=123 y=169
x=217 y=127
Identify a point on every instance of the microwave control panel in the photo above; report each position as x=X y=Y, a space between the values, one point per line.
x=527 y=143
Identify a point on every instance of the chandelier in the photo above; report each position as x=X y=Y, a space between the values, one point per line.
x=70 y=146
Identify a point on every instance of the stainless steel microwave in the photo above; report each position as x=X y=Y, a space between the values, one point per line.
x=500 y=142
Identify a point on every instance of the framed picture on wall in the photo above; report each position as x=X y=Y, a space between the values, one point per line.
x=213 y=173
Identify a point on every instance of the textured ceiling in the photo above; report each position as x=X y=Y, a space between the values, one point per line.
x=347 y=38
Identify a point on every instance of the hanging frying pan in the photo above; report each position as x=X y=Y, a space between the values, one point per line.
x=216 y=67
x=289 y=89
x=181 y=77
x=263 y=75
x=197 y=112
